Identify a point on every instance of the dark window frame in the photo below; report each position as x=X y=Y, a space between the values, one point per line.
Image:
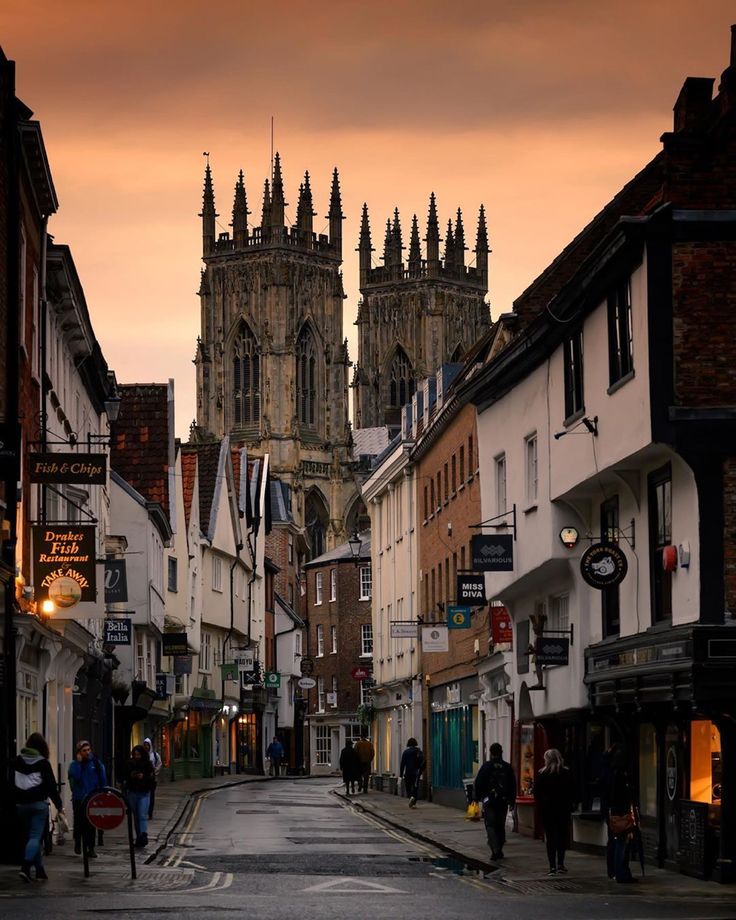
x=659 y=494
x=573 y=371
x=620 y=332
x=246 y=380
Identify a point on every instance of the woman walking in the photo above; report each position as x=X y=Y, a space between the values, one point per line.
x=34 y=784
x=412 y=765
x=139 y=779
x=350 y=766
x=553 y=793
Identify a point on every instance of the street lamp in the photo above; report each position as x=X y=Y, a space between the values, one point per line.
x=48 y=607
x=355 y=544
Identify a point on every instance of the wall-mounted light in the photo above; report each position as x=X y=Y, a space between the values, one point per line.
x=569 y=536
x=48 y=607
x=590 y=423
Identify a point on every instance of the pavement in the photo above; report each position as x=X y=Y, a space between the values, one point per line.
x=177 y=813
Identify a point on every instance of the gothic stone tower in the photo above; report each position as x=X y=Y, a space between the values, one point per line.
x=272 y=365
x=415 y=316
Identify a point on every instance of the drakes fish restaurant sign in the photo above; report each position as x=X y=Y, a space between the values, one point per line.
x=64 y=564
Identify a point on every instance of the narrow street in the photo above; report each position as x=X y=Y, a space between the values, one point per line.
x=292 y=848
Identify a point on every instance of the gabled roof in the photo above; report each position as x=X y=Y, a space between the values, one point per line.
x=280 y=513
x=189 y=473
x=208 y=467
x=370 y=442
x=343 y=552
x=140 y=440
x=283 y=607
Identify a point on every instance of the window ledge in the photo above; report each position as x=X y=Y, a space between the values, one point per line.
x=575 y=417
x=530 y=508
x=617 y=384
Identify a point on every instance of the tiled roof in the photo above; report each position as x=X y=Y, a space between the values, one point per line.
x=140 y=441
x=280 y=513
x=343 y=551
x=208 y=457
x=188 y=472
x=370 y=441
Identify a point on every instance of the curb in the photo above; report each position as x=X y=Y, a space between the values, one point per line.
x=456 y=854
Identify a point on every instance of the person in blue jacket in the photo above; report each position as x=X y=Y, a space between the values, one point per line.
x=86 y=774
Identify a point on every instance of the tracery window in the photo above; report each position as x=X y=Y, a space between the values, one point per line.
x=246 y=380
x=401 y=383
x=306 y=378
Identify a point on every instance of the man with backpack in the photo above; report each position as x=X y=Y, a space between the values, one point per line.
x=495 y=789
x=86 y=774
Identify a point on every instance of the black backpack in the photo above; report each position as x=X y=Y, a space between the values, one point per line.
x=497 y=784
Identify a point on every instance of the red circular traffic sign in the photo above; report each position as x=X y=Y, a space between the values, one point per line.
x=105 y=810
x=360 y=673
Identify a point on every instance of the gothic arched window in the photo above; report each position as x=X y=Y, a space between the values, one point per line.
x=246 y=380
x=316 y=520
x=401 y=381
x=306 y=378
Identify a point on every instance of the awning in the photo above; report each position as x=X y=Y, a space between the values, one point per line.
x=203 y=704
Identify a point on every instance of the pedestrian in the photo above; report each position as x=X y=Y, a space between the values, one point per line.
x=157 y=763
x=86 y=774
x=35 y=783
x=553 y=794
x=350 y=766
x=275 y=754
x=621 y=817
x=366 y=752
x=412 y=765
x=139 y=778
x=495 y=789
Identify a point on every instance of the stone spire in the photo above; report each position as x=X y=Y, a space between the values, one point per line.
x=459 y=241
x=277 y=194
x=397 y=247
x=432 y=238
x=208 y=213
x=449 y=247
x=240 y=213
x=305 y=208
x=387 y=245
x=415 y=251
x=335 y=215
x=364 y=247
x=481 y=246
x=266 y=212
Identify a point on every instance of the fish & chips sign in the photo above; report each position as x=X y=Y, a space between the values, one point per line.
x=64 y=564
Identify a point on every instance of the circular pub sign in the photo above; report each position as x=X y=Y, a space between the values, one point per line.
x=603 y=565
x=105 y=809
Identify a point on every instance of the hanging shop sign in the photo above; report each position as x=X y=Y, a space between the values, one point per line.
x=182 y=665
x=118 y=631
x=471 y=590
x=82 y=469
x=552 y=650
x=229 y=671
x=64 y=564
x=404 y=629
x=434 y=639
x=174 y=644
x=360 y=673
x=165 y=685
x=307 y=683
x=603 y=565
x=501 y=628
x=492 y=553
x=272 y=679
x=116 y=582
x=306 y=665
x=458 y=617
x=245 y=659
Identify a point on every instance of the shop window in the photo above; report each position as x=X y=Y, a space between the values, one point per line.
x=322 y=744
x=526 y=759
x=660 y=535
x=648 y=770
x=705 y=763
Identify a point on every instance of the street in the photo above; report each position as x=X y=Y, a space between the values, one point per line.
x=292 y=848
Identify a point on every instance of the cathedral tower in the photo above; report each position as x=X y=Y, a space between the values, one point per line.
x=272 y=364
x=414 y=317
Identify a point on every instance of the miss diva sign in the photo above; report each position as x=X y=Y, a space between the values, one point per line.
x=64 y=564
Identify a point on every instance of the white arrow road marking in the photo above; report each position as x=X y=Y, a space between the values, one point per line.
x=336 y=887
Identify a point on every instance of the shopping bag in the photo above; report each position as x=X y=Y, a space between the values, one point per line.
x=62 y=828
x=473 y=812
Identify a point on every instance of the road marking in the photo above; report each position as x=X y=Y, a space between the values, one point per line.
x=336 y=887
x=219 y=881
x=187 y=862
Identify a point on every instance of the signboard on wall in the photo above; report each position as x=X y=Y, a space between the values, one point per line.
x=174 y=644
x=458 y=617
x=435 y=639
x=404 y=629
x=182 y=665
x=501 y=626
x=64 y=560
x=83 y=469
x=118 y=631
x=553 y=650
x=492 y=553
x=603 y=565
x=471 y=590
x=116 y=582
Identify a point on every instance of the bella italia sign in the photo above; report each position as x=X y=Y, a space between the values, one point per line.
x=64 y=564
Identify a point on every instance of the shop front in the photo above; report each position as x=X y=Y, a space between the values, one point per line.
x=454 y=744
x=669 y=700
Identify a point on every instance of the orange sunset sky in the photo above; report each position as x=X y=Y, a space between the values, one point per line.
x=540 y=110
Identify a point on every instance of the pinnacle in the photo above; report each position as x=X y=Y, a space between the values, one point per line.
x=335 y=197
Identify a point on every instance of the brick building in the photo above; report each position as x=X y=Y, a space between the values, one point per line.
x=340 y=639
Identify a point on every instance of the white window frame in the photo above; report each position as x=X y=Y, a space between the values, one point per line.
x=366 y=697
x=318 y=589
x=298 y=644
x=320 y=641
x=322 y=744
x=366 y=640
x=320 y=694
x=499 y=464
x=290 y=556
x=558 y=612
x=531 y=466
x=366 y=583
x=333 y=584
x=205 y=653
x=334 y=690
x=216 y=573
x=333 y=639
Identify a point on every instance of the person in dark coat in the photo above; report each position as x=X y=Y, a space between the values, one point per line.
x=412 y=765
x=350 y=766
x=620 y=800
x=35 y=783
x=553 y=793
x=495 y=789
x=86 y=774
x=139 y=780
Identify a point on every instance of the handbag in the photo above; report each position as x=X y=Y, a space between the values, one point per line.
x=473 y=812
x=620 y=824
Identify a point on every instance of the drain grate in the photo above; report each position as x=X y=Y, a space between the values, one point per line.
x=539 y=886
